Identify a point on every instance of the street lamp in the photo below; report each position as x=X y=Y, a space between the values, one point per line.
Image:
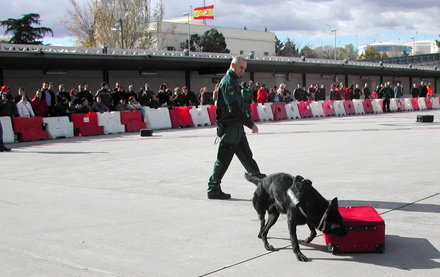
x=414 y=45
x=187 y=14
x=334 y=30
x=121 y=29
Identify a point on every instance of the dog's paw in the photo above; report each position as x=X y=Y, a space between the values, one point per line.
x=269 y=247
x=301 y=257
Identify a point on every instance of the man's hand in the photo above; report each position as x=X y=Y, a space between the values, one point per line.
x=254 y=129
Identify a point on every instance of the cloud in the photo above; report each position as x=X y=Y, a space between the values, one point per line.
x=308 y=21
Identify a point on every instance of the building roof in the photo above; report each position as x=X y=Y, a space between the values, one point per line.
x=75 y=58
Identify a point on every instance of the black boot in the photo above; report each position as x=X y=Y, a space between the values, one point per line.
x=219 y=195
x=4 y=149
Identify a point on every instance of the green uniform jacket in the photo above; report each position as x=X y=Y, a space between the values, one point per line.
x=230 y=109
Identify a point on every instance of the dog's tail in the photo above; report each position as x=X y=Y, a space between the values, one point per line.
x=251 y=178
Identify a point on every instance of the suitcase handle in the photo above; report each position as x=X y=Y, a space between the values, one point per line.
x=361 y=228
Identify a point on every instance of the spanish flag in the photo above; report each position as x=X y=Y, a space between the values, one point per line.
x=204 y=12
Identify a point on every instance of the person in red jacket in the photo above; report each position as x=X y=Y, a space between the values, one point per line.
x=39 y=105
x=262 y=94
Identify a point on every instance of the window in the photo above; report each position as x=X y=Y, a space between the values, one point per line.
x=266 y=53
x=171 y=48
x=241 y=52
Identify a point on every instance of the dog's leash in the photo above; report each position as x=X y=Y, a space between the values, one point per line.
x=295 y=202
x=323 y=221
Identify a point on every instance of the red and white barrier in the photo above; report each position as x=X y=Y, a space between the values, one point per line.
x=58 y=127
x=339 y=108
x=316 y=107
x=292 y=110
x=8 y=131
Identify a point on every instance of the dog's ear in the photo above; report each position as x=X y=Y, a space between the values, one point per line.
x=334 y=202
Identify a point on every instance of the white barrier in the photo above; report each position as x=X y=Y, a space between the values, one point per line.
x=377 y=105
x=408 y=104
x=200 y=116
x=8 y=132
x=157 y=118
x=422 y=103
x=111 y=122
x=316 y=107
x=358 y=106
x=339 y=108
x=292 y=110
x=58 y=127
x=265 y=111
x=393 y=105
x=435 y=103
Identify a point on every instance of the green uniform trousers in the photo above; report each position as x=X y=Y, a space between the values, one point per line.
x=224 y=157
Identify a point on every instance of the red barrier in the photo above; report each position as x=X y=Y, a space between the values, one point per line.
x=86 y=124
x=400 y=104
x=174 y=117
x=415 y=103
x=132 y=120
x=428 y=103
x=180 y=117
x=349 y=108
x=211 y=113
x=368 y=107
x=279 y=111
x=328 y=108
x=29 y=129
x=304 y=109
x=254 y=112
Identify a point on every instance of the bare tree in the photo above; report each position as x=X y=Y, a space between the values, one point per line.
x=114 y=23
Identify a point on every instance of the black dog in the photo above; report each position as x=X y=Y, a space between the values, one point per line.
x=295 y=196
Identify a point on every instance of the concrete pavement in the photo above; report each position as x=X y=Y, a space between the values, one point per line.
x=125 y=205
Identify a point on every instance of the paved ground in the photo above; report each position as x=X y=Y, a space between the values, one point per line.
x=125 y=205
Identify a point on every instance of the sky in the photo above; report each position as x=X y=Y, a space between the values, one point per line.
x=306 y=22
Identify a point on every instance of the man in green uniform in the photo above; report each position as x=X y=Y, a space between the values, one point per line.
x=232 y=116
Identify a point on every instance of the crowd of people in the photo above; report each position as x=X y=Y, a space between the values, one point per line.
x=47 y=102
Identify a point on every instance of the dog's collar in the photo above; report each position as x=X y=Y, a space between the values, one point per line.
x=323 y=221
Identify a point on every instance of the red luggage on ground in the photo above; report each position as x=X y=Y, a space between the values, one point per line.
x=366 y=231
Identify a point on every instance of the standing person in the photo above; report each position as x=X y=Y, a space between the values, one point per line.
x=105 y=94
x=24 y=108
x=430 y=90
x=21 y=92
x=262 y=94
x=39 y=105
x=423 y=91
x=248 y=96
x=357 y=92
x=230 y=112
x=366 y=91
x=415 y=90
x=386 y=92
x=49 y=96
x=398 y=90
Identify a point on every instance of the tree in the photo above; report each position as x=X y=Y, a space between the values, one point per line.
x=308 y=52
x=370 y=53
x=289 y=49
x=279 y=45
x=23 y=32
x=195 y=46
x=348 y=52
x=114 y=23
x=213 y=41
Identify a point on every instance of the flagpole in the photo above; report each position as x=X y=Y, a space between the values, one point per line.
x=204 y=20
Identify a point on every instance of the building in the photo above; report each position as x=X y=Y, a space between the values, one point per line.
x=393 y=49
x=174 y=31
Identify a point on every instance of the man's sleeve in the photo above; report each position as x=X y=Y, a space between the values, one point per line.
x=231 y=99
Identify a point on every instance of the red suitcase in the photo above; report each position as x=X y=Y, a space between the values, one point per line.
x=366 y=231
